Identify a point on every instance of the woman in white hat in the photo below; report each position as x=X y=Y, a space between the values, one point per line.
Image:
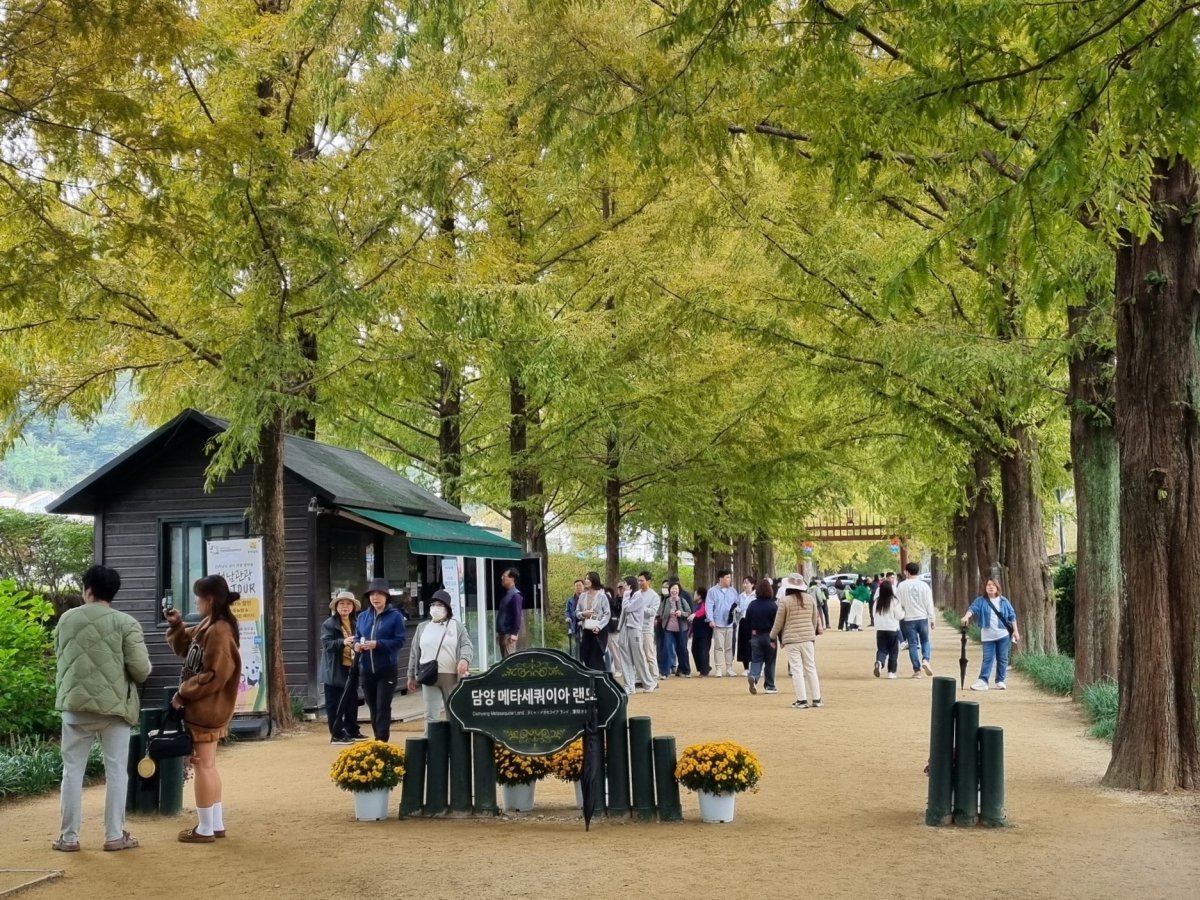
x=444 y=639
x=337 y=660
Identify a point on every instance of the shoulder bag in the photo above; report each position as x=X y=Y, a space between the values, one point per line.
x=427 y=672
x=1007 y=624
x=172 y=740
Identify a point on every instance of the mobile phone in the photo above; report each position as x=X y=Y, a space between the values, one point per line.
x=168 y=602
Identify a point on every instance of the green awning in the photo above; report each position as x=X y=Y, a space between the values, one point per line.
x=441 y=537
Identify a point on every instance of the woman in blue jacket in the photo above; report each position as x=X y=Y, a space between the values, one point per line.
x=378 y=637
x=998 y=632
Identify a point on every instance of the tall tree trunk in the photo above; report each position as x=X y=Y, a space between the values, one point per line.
x=1029 y=585
x=524 y=485
x=939 y=581
x=964 y=570
x=266 y=521
x=1095 y=464
x=702 y=573
x=743 y=559
x=764 y=556
x=449 y=459
x=1156 y=745
x=612 y=513
x=672 y=553
x=985 y=527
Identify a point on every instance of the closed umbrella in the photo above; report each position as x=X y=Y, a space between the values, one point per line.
x=593 y=754
x=350 y=691
x=962 y=662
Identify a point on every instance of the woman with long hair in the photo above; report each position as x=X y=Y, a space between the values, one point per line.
x=702 y=633
x=888 y=614
x=593 y=613
x=208 y=688
x=760 y=615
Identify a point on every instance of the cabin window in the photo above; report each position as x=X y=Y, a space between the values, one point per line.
x=184 y=559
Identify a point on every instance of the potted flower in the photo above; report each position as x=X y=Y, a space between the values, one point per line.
x=567 y=765
x=518 y=776
x=718 y=771
x=369 y=771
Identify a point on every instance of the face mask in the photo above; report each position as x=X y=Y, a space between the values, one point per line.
x=437 y=612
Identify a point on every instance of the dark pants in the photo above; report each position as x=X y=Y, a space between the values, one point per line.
x=344 y=723
x=887 y=649
x=825 y=612
x=702 y=635
x=591 y=649
x=379 y=688
x=762 y=659
x=675 y=647
x=845 y=615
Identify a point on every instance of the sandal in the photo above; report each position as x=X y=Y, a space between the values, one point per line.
x=124 y=842
x=66 y=846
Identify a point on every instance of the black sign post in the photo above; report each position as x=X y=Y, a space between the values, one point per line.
x=535 y=702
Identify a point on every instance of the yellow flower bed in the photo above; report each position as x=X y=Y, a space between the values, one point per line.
x=513 y=768
x=719 y=767
x=368 y=766
x=567 y=763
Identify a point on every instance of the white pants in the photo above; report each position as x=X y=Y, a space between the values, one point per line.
x=723 y=641
x=436 y=696
x=633 y=660
x=802 y=658
x=856 y=614
x=650 y=652
x=78 y=735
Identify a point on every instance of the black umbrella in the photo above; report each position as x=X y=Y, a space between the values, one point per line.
x=962 y=662
x=593 y=753
x=350 y=691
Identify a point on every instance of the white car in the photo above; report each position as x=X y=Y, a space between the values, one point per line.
x=847 y=577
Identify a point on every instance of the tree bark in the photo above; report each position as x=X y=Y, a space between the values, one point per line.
x=672 y=553
x=266 y=522
x=764 y=556
x=939 y=581
x=702 y=572
x=1155 y=747
x=612 y=513
x=1029 y=585
x=985 y=528
x=964 y=567
x=449 y=461
x=743 y=559
x=1095 y=464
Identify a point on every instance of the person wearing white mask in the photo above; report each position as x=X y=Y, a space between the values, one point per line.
x=445 y=639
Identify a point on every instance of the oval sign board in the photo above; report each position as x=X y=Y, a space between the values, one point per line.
x=535 y=702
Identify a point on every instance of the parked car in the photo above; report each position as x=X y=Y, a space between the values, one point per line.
x=848 y=577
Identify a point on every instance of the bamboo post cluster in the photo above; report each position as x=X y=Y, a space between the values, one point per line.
x=966 y=763
x=454 y=772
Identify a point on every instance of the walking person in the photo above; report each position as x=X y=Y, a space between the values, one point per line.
x=660 y=634
x=650 y=628
x=379 y=634
x=998 y=632
x=207 y=695
x=616 y=600
x=741 y=630
x=797 y=624
x=102 y=661
x=721 y=601
x=702 y=633
x=634 y=665
x=760 y=615
x=509 y=613
x=445 y=639
x=337 y=663
x=887 y=629
x=818 y=592
x=593 y=614
x=916 y=601
x=862 y=600
x=843 y=595
x=572 y=622
x=676 y=615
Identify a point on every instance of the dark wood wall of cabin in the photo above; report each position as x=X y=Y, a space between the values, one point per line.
x=172 y=487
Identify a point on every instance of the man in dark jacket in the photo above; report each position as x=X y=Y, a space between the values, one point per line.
x=508 y=616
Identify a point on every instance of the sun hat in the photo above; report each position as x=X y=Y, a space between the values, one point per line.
x=344 y=595
x=378 y=586
x=793 y=582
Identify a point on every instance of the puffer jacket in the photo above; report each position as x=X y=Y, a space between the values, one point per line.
x=102 y=659
x=795 y=624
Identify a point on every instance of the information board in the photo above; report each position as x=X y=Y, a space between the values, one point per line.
x=241 y=563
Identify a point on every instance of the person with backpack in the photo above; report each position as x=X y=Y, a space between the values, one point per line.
x=998 y=632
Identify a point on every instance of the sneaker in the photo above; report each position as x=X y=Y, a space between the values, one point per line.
x=904 y=645
x=651 y=689
x=980 y=685
x=800 y=704
x=343 y=739
x=891 y=674
x=771 y=691
x=688 y=675
x=918 y=674
x=927 y=668
x=359 y=736
x=877 y=668
x=818 y=703
x=753 y=686
x=1001 y=686
x=718 y=675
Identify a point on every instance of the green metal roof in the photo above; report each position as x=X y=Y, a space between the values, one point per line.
x=440 y=537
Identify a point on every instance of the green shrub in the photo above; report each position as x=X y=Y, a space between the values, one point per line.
x=27 y=661
x=1064 y=611
x=33 y=766
x=1053 y=673
x=1100 y=704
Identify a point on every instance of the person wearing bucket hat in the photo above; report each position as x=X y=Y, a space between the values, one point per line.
x=378 y=636
x=444 y=639
x=337 y=663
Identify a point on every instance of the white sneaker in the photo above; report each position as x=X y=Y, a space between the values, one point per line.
x=980 y=685
x=1001 y=686
x=904 y=645
x=891 y=675
x=927 y=668
x=718 y=675
x=918 y=674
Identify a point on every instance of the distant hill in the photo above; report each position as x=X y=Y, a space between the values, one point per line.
x=54 y=454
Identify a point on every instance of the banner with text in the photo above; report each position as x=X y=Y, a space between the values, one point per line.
x=241 y=564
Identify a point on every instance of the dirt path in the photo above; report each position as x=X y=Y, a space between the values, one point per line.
x=840 y=814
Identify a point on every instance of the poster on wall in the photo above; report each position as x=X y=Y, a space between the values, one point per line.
x=241 y=563
x=452 y=572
